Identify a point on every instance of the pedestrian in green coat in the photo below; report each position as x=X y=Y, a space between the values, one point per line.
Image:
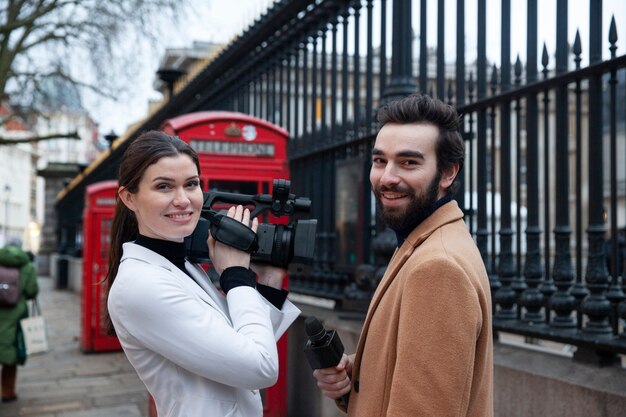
x=14 y=257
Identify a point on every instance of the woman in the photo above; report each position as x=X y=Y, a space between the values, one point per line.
x=199 y=352
x=13 y=257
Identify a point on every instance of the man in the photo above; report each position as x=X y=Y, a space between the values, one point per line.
x=426 y=345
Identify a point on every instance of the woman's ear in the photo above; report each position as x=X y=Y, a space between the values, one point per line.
x=127 y=198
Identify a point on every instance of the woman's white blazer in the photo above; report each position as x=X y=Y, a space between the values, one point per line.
x=199 y=353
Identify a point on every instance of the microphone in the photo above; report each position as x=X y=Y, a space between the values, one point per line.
x=324 y=348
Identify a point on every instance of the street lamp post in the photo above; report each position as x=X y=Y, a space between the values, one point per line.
x=7 y=192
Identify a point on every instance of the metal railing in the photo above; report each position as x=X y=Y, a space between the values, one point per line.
x=544 y=184
x=546 y=152
x=535 y=191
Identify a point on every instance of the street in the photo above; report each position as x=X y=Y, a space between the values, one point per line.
x=64 y=382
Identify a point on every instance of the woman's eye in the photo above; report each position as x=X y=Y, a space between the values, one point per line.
x=193 y=184
x=163 y=187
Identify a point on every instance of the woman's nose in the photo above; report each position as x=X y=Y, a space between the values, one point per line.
x=181 y=198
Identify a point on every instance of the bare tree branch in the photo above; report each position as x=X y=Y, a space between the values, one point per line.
x=32 y=139
x=36 y=35
x=40 y=10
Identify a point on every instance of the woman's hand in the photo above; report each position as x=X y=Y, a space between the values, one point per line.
x=224 y=256
x=269 y=275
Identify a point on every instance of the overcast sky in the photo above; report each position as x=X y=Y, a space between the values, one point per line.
x=219 y=21
x=212 y=20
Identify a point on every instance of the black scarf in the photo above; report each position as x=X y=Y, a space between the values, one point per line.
x=402 y=234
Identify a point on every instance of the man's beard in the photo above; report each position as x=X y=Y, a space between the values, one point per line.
x=399 y=218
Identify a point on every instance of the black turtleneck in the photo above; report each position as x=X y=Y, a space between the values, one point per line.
x=176 y=253
x=402 y=234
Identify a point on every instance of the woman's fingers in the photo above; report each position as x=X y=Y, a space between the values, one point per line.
x=246 y=217
x=242 y=215
x=235 y=212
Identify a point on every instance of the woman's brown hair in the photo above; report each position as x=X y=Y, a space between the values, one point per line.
x=144 y=151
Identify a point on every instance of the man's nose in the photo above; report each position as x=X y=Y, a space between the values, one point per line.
x=390 y=175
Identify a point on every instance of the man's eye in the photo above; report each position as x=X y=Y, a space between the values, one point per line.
x=378 y=161
x=409 y=163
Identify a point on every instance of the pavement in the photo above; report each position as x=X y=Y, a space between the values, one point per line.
x=64 y=382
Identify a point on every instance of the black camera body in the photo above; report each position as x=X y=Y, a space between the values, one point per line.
x=275 y=244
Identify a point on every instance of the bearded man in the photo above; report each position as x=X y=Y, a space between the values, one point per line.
x=426 y=345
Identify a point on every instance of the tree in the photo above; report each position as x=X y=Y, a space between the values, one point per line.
x=87 y=44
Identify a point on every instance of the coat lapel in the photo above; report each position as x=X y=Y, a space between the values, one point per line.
x=397 y=260
x=216 y=299
x=199 y=283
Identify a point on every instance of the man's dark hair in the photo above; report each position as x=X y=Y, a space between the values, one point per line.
x=417 y=108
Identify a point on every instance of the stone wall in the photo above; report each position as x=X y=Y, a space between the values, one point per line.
x=55 y=176
x=528 y=382
x=531 y=383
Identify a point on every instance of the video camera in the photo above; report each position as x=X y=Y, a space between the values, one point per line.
x=275 y=244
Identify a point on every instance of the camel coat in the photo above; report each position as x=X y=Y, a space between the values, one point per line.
x=426 y=346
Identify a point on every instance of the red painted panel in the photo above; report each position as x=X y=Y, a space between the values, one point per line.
x=97 y=218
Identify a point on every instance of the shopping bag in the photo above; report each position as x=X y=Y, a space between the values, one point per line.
x=34 y=329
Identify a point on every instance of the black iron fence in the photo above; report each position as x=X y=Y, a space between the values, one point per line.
x=544 y=188
x=544 y=184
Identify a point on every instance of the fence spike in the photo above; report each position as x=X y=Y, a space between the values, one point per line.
x=577 y=49
x=613 y=37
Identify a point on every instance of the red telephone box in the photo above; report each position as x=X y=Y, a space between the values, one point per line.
x=238 y=153
x=97 y=219
x=242 y=154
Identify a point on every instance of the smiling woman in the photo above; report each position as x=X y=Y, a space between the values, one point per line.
x=169 y=317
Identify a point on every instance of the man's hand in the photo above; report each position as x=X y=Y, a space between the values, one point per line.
x=335 y=382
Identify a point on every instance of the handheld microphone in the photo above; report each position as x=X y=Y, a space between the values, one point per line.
x=324 y=348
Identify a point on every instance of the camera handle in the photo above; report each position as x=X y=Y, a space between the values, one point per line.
x=231 y=232
x=280 y=204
